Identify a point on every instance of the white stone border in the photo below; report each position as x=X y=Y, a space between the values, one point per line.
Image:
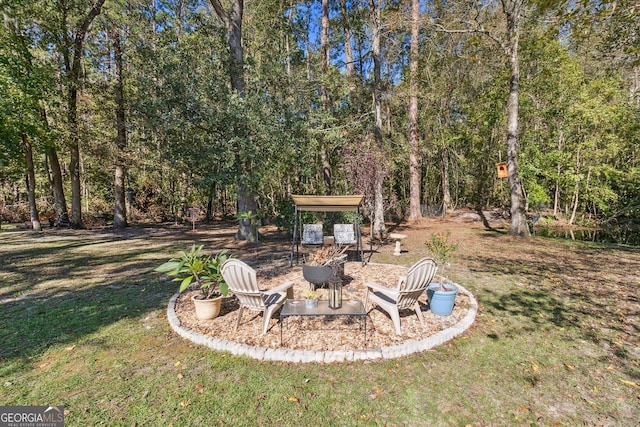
x=305 y=356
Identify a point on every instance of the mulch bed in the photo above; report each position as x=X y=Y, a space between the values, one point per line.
x=322 y=333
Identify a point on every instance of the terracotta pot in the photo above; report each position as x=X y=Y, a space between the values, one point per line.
x=207 y=309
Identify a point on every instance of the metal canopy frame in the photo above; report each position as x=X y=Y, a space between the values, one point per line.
x=326 y=204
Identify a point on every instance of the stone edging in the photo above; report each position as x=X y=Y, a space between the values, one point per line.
x=305 y=356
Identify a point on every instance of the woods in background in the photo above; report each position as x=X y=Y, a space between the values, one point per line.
x=233 y=106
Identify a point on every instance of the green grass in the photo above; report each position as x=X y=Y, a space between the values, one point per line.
x=83 y=324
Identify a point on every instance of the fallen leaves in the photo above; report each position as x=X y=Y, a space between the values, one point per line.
x=631 y=383
x=380 y=330
x=376 y=392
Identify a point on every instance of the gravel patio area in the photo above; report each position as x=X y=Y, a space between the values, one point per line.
x=321 y=333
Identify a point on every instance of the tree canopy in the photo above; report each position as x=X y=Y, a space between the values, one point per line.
x=318 y=114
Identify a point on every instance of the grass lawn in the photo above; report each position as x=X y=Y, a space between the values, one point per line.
x=556 y=341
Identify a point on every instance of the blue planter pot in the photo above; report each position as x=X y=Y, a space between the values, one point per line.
x=441 y=302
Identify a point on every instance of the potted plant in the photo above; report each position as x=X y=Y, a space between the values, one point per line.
x=202 y=272
x=311 y=297
x=324 y=264
x=441 y=295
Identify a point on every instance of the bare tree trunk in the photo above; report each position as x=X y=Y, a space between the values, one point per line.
x=326 y=170
x=556 y=198
x=378 y=213
x=324 y=49
x=519 y=226
x=444 y=171
x=120 y=207
x=184 y=185
x=232 y=20
x=348 y=51
x=575 y=201
x=287 y=43
x=324 y=95
x=576 y=191
x=74 y=162
x=59 y=199
x=414 y=143
x=307 y=43
x=212 y=192
x=31 y=183
x=556 y=195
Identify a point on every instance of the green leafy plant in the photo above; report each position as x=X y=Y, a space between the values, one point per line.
x=311 y=294
x=441 y=248
x=201 y=271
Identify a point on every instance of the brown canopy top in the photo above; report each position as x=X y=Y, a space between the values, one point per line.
x=327 y=203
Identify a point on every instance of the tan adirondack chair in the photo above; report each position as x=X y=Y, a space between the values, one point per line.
x=242 y=281
x=406 y=294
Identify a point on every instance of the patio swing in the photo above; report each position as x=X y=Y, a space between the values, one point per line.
x=348 y=234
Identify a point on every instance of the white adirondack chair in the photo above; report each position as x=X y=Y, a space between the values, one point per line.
x=406 y=294
x=242 y=281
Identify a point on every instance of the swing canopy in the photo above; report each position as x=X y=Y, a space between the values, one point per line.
x=327 y=203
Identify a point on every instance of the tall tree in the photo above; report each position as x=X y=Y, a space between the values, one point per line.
x=348 y=50
x=31 y=183
x=379 y=227
x=414 y=143
x=71 y=45
x=120 y=208
x=513 y=12
x=20 y=84
x=232 y=20
x=324 y=94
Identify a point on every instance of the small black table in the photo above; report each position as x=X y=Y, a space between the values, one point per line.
x=353 y=307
